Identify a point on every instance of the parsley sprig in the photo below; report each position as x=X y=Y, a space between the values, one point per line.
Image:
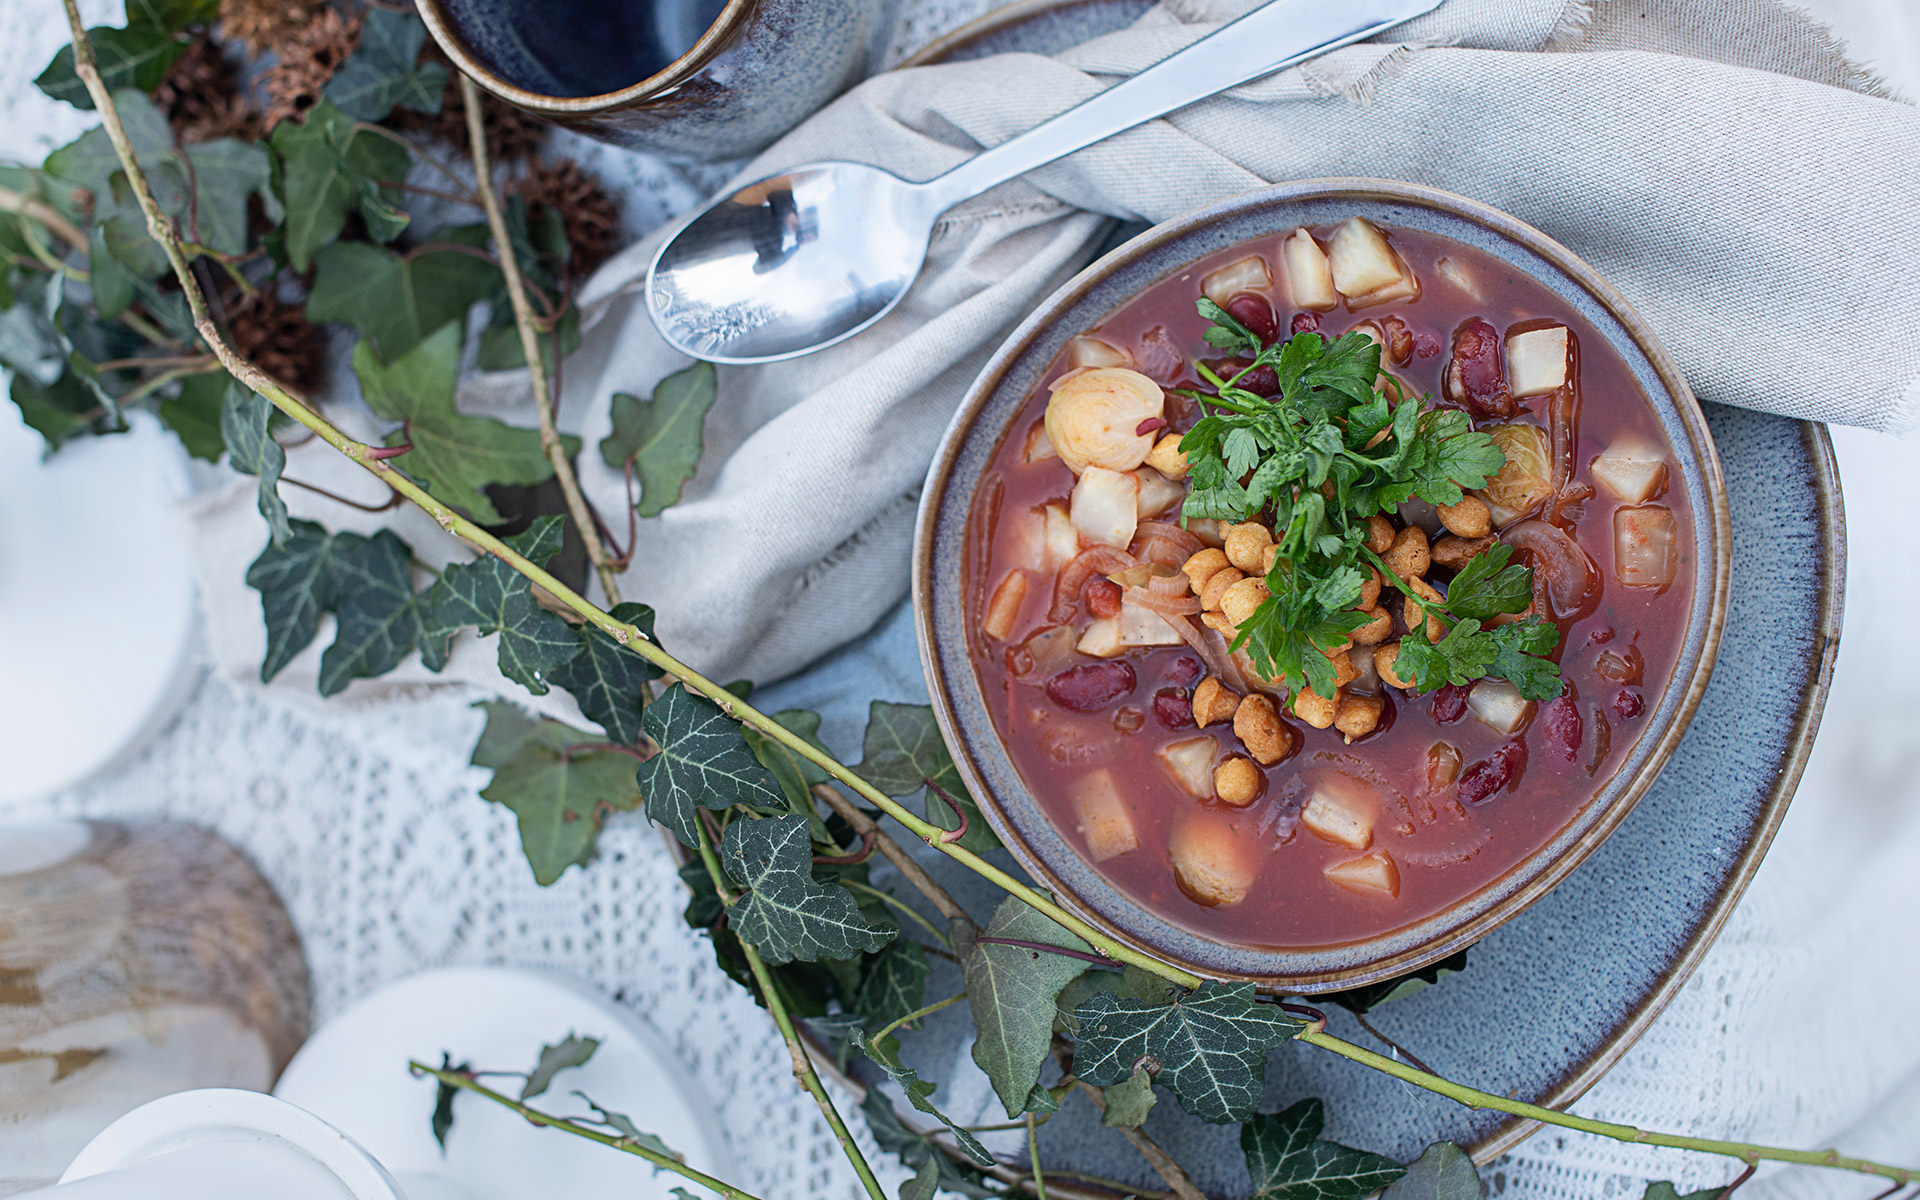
x=1326 y=453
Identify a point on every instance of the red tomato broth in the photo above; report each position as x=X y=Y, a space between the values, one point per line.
x=1445 y=850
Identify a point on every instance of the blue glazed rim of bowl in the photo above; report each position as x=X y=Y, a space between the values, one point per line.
x=982 y=421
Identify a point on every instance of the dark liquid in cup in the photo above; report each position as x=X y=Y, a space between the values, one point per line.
x=580 y=47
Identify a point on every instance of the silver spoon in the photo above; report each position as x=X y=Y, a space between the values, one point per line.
x=799 y=261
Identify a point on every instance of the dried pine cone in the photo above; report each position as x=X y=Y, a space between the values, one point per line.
x=307 y=63
x=266 y=24
x=277 y=337
x=201 y=97
x=591 y=215
x=512 y=135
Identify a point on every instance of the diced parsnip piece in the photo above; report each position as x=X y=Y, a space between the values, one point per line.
x=1106 y=819
x=1525 y=481
x=1500 y=706
x=1646 y=546
x=1063 y=540
x=1133 y=626
x=1456 y=275
x=1106 y=506
x=1309 y=277
x=1190 y=765
x=1004 y=608
x=1341 y=810
x=1249 y=274
x=1407 y=287
x=1213 y=864
x=1026 y=544
x=1157 y=493
x=1538 y=360
x=1360 y=258
x=1632 y=470
x=1094 y=418
x=1086 y=351
x=1038 y=447
x=1374 y=872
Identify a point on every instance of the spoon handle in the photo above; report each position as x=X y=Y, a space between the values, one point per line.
x=1271 y=37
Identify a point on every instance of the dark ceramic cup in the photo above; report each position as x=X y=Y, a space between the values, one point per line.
x=695 y=80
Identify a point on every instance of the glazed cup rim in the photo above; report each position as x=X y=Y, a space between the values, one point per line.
x=1545 y=867
x=675 y=73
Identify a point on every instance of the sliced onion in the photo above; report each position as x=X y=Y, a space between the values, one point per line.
x=1164 y=542
x=1168 y=583
x=1571 y=581
x=1097 y=560
x=1166 y=606
x=1220 y=660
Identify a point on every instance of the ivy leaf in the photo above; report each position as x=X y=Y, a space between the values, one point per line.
x=397 y=300
x=1211 y=1045
x=606 y=679
x=295 y=582
x=225 y=173
x=1288 y=1160
x=661 y=435
x=136 y=57
x=703 y=762
x=57 y=411
x=560 y=795
x=1664 y=1190
x=327 y=168
x=904 y=751
x=194 y=414
x=1011 y=991
x=1129 y=1101
x=893 y=983
x=918 y=1090
x=495 y=598
x=924 y=1185
x=384 y=69
x=376 y=612
x=794 y=775
x=1365 y=999
x=251 y=450
x=443 y=1101
x=1444 y=1172
x=787 y=914
x=90 y=159
x=920 y=1152
x=454 y=455
x=570 y=1051
x=622 y=1124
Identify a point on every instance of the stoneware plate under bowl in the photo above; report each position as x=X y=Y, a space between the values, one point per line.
x=1002 y=389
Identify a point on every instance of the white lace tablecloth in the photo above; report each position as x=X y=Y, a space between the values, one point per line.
x=1798 y=1028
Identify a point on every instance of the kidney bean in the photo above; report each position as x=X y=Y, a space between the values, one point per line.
x=1600 y=637
x=1629 y=704
x=1450 y=703
x=1305 y=322
x=1399 y=345
x=1173 y=707
x=1256 y=314
x=1497 y=772
x=1185 y=671
x=1261 y=381
x=1425 y=344
x=1090 y=686
x=1103 y=597
x=1476 y=377
x=1565 y=729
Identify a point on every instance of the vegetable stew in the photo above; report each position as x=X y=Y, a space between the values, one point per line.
x=1321 y=583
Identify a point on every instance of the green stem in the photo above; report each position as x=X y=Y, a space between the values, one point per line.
x=1475 y=1098
x=628 y=635
x=150 y=386
x=796 y=1049
x=534 y=1116
x=917 y=1013
x=900 y=906
x=1033 y=1159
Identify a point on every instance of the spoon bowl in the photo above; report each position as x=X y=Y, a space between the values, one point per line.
x=790 y=264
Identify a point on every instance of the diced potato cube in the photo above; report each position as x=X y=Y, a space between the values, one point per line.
x=1213 y=864
x=1039 y=446
x=1062 y=539
x=1133 y=626
x=1646 y=546
x=1632 y=470
x=1341 y=810
x=1373 y=872
x=1500 y=706
x=1106 y=506
x=1538 y=360
x=1309 y=277
x=1189 y=764
x=1101 y=639
x=1004 y=608
x=1026 y=544
x=1106 y=819
x=1404 y=288
x=1360 y=258
x=1249 y=274
x=1093 y=352
x=1158 y=494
